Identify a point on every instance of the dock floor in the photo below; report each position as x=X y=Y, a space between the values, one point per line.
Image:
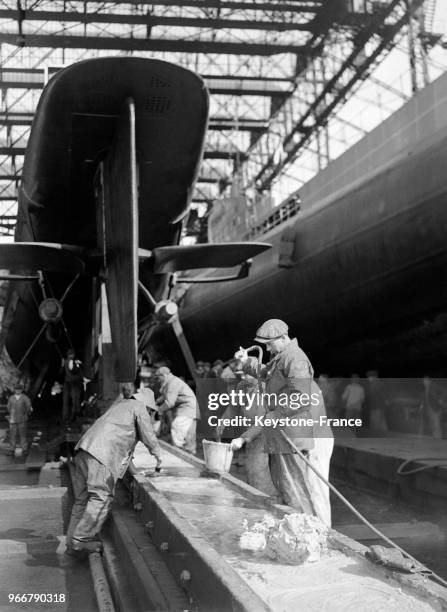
x=374 y=464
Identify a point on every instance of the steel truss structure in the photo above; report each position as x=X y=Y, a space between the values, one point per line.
x=278 y=73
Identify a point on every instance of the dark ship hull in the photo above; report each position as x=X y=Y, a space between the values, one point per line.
x=74 y=130
x=365 y=284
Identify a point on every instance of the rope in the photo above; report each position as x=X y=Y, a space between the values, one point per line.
x=360 y=516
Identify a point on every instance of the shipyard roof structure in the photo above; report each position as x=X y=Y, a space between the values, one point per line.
x=293 y=83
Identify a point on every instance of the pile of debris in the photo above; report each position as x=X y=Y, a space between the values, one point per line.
x=294 y=539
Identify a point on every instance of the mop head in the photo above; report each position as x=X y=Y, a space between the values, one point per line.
x=294 y=539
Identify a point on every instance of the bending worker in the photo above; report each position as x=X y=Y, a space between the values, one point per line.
x=103 y=455
x=290 y=374
x=177 y=396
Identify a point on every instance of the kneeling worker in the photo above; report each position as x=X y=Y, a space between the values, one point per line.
x=103 y=455
x=176 y=395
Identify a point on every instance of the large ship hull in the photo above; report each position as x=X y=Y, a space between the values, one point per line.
x=366 y=275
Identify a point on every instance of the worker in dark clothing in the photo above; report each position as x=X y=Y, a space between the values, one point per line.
x=102 y=457
x=73 y=387
x=19 y=408
x=256 y=459
x=434 y=404
x=289 y=372
x=376 y=402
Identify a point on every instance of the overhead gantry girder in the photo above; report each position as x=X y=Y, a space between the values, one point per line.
x=288 y=6
x=315 y=100
x=152 y=20
x=280 y=80
x=35 y=78
x=301 y=6
x=293 y=17
x=229 y=154
x=227 y=123
x=151 y=44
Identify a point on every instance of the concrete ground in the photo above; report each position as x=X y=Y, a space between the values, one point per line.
x=33 y=514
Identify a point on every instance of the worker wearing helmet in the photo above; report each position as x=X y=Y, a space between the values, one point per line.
x=288 y=372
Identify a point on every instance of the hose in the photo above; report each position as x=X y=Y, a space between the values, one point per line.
x=400 y=469
x=257 y=348
x=357 y=513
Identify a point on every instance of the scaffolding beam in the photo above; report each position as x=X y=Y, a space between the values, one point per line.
x=150 y=44
x=224 y=85
x=152 y=21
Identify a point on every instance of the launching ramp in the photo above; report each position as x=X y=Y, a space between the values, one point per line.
x=196 y=521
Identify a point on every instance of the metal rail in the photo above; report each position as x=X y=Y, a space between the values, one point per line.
x=100 y=583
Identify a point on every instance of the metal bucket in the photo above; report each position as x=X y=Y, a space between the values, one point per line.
x=217 y=456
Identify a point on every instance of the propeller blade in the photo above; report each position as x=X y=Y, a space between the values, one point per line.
x=46 y=256
x=226 y=255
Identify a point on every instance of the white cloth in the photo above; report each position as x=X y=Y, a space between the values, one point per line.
x=320 y=457
x=179 y=429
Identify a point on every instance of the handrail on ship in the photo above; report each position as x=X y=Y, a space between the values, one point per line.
x=282 y=213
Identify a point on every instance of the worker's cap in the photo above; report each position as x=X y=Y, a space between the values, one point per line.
x=163 y=371
x=218 y=362
x=271 y=330
x=372 y=373
x=18 y=387
x=199 y=364
x=70 y=352
x=207 y=364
